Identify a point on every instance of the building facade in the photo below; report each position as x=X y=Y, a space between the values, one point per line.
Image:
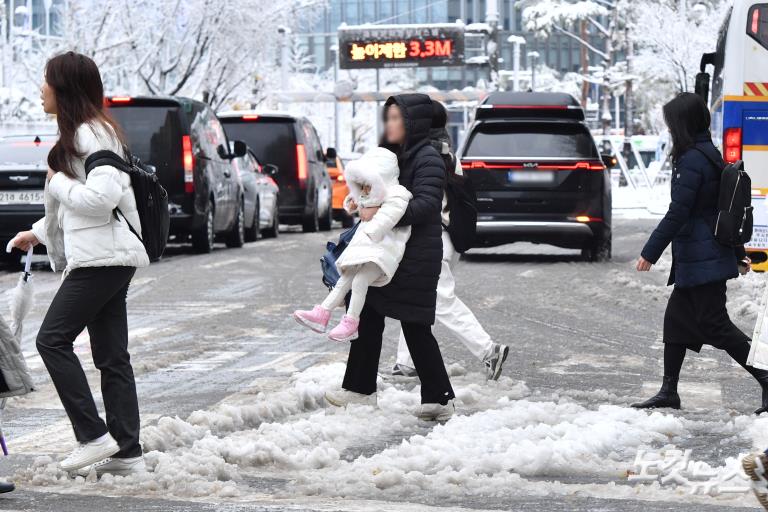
x=42 y=17
x=559 y=52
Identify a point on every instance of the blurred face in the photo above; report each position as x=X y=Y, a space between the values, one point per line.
x=48 y=98
x=394 y=127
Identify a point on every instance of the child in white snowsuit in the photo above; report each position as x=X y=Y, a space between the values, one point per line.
x=375 y=251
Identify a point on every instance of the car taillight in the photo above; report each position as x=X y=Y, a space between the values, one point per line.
x=531 y=107
x=301 y=162
x=586 y=218
x=120 y=99
x=250 y=117
x=188 y=158
x=755 y=21
x=732 y=145
x=586 y=166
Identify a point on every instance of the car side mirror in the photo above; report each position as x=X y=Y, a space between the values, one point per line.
x=270 y=169
x=609 y=161
x=330 y=154
x=239 y=148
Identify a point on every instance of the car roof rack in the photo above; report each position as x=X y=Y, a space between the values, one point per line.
x=530 y=106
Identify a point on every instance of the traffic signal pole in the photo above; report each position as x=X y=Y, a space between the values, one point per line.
x=492 y=47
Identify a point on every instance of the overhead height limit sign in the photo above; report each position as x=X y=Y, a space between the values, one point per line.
x=393 y=46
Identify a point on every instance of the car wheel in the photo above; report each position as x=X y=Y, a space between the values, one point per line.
x=236 y=236
x=252 y=233
x=599 y=249
x=12 y=260
x=311 y=222
x=326 y=222
x=274 y=230
x=204 y=238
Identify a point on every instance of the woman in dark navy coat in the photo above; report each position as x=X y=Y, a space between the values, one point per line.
x=696 y=313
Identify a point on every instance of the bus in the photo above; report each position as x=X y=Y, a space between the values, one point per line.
x=739 y=105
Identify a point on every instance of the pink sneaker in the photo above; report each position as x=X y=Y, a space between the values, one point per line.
x=346 y=330
x=317 y=319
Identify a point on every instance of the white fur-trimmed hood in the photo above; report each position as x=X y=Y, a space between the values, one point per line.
x=377 y=168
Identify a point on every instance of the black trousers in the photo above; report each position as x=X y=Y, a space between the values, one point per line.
x=93 y=298
x=365 y=352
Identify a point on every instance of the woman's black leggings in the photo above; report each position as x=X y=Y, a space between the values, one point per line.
x=674 y=355
x=93 y=298
x=365 y=351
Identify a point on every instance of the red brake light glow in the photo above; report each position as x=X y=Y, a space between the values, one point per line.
x=755 y=20
x=301 y=162
x=732 y=145
x=250 y=117
x=121 y=99
x=530 y=107
x=585 y=166
x=188 y=159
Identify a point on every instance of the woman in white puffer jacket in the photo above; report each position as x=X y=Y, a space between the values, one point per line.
x=86 y=232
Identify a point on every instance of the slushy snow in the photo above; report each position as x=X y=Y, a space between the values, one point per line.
x=505 y=440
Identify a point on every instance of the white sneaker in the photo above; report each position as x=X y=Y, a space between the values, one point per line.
x=118 y=467
x=90 y=453
x=342 y=398
x=436 y=412
x=495 y=360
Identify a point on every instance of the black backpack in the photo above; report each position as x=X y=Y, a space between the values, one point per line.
x=733 y=226
x=151 y=199
x=462 y=207
x=332 y=252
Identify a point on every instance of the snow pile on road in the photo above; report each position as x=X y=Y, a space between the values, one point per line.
x=503 y=441
x=490 y=450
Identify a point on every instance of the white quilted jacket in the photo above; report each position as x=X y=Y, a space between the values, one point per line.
x=378 y=240
x=79 y=228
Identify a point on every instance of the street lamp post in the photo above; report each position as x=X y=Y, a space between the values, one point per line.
x=47 y=4
x=284 y=32
x=533 y=58
x=335 y=51
x=4 y=43
x=517 y=42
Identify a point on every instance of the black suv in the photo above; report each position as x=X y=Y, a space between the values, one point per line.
x=23 y=167
x=538 y=174
x=186 y=144
x=291 y=143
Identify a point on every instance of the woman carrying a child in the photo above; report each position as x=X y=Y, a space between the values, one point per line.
x=400 y=223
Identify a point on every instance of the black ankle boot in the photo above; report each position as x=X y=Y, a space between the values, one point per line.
x=666 y=397
x=762 y=378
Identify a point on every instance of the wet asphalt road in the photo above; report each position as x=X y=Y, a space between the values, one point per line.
x=203 y=327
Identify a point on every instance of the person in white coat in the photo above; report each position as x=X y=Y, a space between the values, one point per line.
x=450 y=310
x=375 y=251
x=87 y=235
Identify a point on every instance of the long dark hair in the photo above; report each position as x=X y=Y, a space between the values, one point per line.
x=76 y=83
x=686 y=116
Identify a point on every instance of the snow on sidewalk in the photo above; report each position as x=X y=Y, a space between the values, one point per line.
x=504 y=441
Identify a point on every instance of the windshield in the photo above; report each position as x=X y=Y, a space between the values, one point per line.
x=153 y=133
x=531 y=141
x=273 y=142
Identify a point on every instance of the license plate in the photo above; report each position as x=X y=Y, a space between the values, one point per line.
x=531 y=176
x=21 y=197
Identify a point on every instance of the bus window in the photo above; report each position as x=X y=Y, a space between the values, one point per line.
x=757 y=24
